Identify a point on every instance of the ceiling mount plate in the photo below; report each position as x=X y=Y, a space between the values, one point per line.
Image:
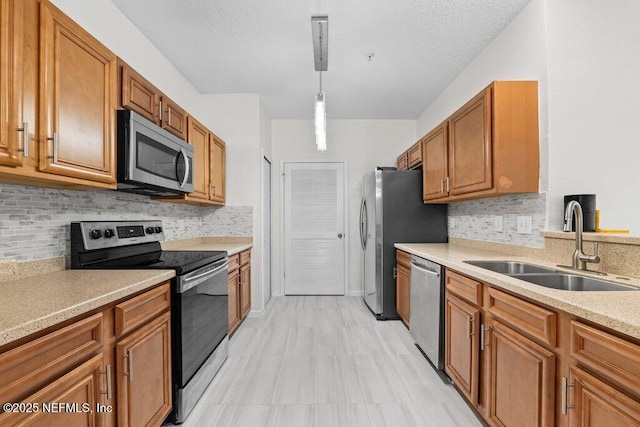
x=320 y=34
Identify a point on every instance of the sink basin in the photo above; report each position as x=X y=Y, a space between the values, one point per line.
x=510 y=267
x=571 y=282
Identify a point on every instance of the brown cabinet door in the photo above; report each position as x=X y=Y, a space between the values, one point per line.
x=434 y=164
x=595 y=403
x=139 y=95
x=78 y=83
x=174 y=118
x=198 y=137
x=234 y=300
x=217 y=169
x=403 y=276
x=462 y=347
x=414 y=155
x=402 y=162
x=72 y=400
x=245 y=290
x=143 y=367
x=520 y=381
x=12 y=138
x=470 y=155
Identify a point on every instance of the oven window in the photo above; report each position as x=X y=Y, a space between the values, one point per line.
x=203 y=317
x=155 y=158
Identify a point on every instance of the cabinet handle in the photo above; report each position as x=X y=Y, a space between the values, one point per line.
x=448 y=184
x=109 y=391
x=395 y=272
x=129 y=357
x=564 y=406
x=470 y=327
x=25 y=139
x=442 y=185
x=483 y=342
x=160 y=110
x=55 y=147
x=168 y=115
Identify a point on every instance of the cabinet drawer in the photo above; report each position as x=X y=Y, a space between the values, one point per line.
x=245 y=257
x=403 y=258
x=465 y=287
x=138 y=310
x=234 y=262
x=609 y=355
x=415 y=155
x=528 y=318
x=31 y=366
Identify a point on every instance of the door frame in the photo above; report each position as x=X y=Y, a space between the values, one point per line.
x=345 y=219
x=266 y=158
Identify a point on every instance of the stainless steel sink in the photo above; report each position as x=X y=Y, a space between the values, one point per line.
x=510 y=267
x=571 y=282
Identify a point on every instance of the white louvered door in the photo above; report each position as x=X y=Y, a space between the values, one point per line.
x=314 y=242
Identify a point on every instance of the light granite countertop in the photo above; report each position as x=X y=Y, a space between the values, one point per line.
x=232 y=245
x=616 y=310
x=38 y=302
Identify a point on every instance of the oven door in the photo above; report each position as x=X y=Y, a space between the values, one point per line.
x=200 y=319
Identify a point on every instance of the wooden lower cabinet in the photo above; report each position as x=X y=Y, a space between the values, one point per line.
x=89 y=374
x=403 y=292
x=239 y=288
x=595 y=403
x=143 y=372
x=462 y=349
x=521 y=379
x=234 y=298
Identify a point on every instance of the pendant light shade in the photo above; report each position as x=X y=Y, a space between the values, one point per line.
x=320 y=34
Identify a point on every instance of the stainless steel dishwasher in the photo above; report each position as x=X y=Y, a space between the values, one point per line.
x=426 y=309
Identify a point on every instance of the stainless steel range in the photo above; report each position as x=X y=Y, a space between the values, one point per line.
x=199 y=296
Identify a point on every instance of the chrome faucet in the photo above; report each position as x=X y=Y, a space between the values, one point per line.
x=580 y=259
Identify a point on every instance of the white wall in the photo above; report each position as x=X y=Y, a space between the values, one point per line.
x=594 y=105
x=362 y=144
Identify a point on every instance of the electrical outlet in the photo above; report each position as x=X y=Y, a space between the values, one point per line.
x=524 y=224
x=452 y=222
x=181 y=224
x=497 y=223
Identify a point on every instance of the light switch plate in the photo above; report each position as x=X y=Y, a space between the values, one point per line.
x=452 y=222
x=497 y=223
x=524 y=224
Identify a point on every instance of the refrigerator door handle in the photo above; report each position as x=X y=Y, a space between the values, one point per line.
x=365 y=227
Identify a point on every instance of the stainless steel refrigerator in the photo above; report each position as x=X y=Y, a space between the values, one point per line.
x=392 y=211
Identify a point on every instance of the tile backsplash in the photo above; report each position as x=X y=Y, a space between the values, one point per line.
x=474 y=219
x=34 y=222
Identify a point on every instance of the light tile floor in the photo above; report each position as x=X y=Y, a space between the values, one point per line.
x=325 y=361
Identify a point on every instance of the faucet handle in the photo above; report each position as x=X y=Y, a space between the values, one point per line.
x=591 y=258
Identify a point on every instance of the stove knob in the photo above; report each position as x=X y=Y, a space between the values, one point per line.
x=109 y=233
x=95 y=234
x=150 y=230
x=158 y=229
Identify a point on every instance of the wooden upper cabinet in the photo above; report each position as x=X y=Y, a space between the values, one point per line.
x=78 y=83
x=139 y=95
x=198 y=137
x=492 y=146
x=470 y=152
x=12 y=142
x=402 y=162
x=435 y=166
x=174 y=118
x=414 y=155
x=217 y=170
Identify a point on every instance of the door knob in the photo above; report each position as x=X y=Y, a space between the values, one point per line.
x=339 y=235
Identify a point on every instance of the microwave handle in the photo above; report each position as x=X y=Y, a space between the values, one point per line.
x=186 y=167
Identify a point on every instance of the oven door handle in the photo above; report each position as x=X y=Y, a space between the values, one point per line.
x=184 y=179
x=188 y=283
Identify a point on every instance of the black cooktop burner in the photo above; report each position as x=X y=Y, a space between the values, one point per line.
x=181 y=261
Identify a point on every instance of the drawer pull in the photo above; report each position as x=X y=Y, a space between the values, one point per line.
x=107 y=373
x=564 y=406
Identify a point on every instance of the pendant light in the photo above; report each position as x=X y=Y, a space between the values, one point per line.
x=320 y=32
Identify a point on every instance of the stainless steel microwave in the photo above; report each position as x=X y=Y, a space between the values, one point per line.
x=151 y=160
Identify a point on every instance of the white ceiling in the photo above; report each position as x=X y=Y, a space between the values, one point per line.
x=265 y=47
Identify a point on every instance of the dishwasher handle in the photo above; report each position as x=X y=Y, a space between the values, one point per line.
x=424 y=270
